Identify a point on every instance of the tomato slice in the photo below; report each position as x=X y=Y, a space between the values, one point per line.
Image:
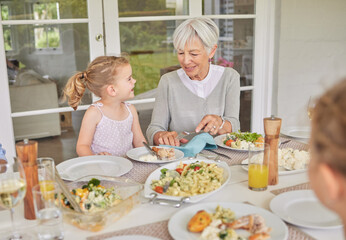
x=229 y=142
x=159 y=189
x=179 y=170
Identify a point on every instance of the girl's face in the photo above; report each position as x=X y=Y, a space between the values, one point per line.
x=125 y=83
x=194 y=59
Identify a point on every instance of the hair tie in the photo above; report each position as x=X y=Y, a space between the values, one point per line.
x=82 y=75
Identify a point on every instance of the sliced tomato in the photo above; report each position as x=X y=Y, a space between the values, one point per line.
x=159 y=189
x=229 y=142
x=197 y=168
x=179 y=170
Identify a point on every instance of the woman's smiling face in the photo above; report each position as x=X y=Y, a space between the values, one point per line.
x=194 y=59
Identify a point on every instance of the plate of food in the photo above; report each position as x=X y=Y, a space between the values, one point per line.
x=291 y=161
x=75 y=168
x=103 y=200
x=196 y=179
x=141 y=154
x=302 y=208
x=226 y=220
x=240 y=141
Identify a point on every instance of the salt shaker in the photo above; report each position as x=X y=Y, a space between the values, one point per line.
x=272 y=126
x=27 y=154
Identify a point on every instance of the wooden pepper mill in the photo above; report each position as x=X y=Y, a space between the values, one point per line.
x=272 y=128
x=27 y=154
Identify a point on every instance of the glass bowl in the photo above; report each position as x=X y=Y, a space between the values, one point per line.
x=129 y=191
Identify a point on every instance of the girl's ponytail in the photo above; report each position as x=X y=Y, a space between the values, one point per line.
x=75 y=88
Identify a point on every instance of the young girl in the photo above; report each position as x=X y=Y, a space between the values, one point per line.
x=110 y=126
x=327 y=170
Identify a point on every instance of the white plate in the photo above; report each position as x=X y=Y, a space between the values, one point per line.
x=219 y=141
x=172 y=166
x=296 y=132
x=282 y=171
x=136 y=153
x=177 y=225
x=302 y=208
x=133 y=237
x=94 y=165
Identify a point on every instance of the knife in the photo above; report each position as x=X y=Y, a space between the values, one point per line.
x=151 y=151
x=221 y=154
x=188 y=135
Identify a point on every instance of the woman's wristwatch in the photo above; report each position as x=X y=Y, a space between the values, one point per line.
x=223 y=122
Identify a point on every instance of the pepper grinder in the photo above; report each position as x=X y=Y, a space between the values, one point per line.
x=272 y=126
x=27 y=154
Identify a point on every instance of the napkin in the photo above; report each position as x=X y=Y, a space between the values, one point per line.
x=196 y=145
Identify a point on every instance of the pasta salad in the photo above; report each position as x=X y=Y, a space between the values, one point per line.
x=189 y=179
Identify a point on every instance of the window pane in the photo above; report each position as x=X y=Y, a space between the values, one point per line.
x=228 y=7
x=40 y=38
x=7 y=39
x=28 y=67
x=136 y=8
x=49 y=9
x=236 y=47
x=4 y=12
x=245 y=110
x=151 y=50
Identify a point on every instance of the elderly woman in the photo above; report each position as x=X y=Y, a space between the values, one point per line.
x=199 y=96
x=327 y=170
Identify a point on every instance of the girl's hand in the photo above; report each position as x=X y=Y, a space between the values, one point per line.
x=167 y=138
x=104 y=153
x=210 y=123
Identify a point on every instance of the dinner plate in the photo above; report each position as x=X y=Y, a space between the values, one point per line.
x=75 y=168
x=177 y=225
x=302 y=208
x=155 y=175
x=219 y=141
x=136 y=153
x=296 y=132
x=133 y=237
x=282 y=171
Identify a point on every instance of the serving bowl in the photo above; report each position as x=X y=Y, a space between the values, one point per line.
x=127 y=189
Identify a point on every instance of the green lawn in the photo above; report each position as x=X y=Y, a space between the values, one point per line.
x=146 y=69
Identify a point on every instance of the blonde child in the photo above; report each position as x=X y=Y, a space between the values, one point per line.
x=110 y=126
x=327 y=170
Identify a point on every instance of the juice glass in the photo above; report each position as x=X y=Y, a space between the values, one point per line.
x=258 y=167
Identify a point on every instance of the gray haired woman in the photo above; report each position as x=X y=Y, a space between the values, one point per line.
x=199 y=96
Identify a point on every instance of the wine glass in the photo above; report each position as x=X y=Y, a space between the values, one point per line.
x=311 y=106
x=12 y=190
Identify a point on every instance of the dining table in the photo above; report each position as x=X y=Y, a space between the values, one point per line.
x=147 y=219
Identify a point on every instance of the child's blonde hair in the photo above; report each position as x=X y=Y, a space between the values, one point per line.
x=328 y=139
x=99 y=73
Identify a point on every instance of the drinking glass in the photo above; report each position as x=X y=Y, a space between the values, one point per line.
x=258 y=167
x=46 y=171
x=47 y=203
x=12 y=191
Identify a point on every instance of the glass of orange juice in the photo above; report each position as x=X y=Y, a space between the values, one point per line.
x=46 y=172
x=258 y=167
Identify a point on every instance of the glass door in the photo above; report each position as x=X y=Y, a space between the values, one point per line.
x=45 y=43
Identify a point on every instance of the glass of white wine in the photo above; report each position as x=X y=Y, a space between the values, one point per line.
x=12 y=191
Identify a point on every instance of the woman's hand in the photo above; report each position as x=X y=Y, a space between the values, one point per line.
x=166 y=138
x=210 y=123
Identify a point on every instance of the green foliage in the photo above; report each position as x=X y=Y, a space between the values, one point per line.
x=146 y=69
